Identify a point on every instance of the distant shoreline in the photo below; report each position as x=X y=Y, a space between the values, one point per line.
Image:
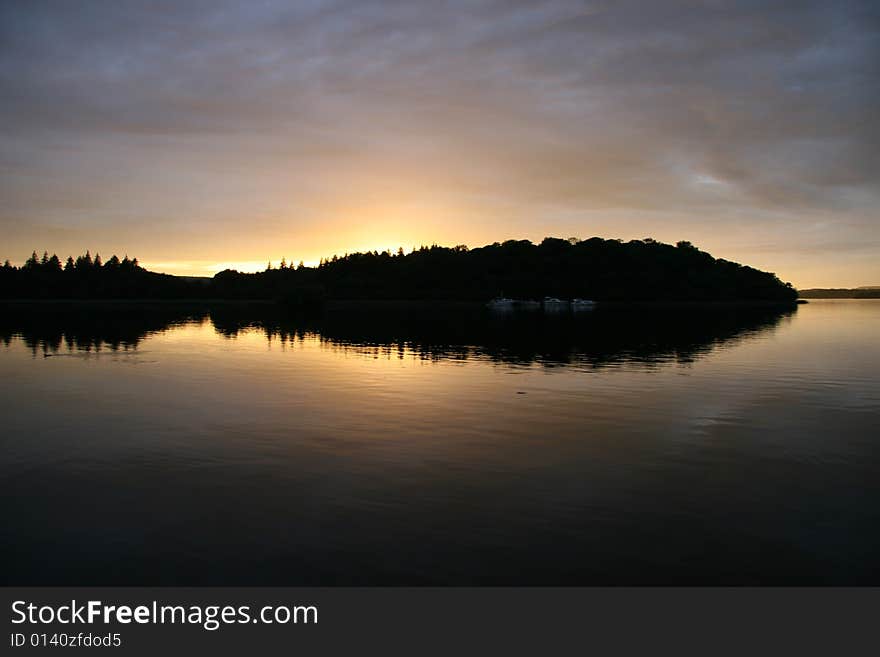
x=840 y=293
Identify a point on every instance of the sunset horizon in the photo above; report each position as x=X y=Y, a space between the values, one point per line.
x=209 y=268
x=231 y=134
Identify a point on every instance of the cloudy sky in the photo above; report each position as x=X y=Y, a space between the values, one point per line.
x=200 y=135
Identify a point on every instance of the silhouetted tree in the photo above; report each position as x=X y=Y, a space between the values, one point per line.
x=84 y=262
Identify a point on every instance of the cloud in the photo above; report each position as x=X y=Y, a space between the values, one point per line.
x=281 y=117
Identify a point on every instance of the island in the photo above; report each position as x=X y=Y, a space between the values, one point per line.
x=601 y=270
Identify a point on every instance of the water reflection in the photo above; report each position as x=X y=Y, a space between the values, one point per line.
x=605 y=337
x=50 y=329
x=438 y=445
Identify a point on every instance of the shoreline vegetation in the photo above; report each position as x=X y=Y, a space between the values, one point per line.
x=607 y=271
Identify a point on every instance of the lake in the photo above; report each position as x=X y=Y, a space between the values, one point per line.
x=177 y=445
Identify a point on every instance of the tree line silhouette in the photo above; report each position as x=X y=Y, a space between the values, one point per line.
x=87 y=278
x=599 y=269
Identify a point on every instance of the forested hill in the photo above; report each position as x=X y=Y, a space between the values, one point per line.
x=599 y=269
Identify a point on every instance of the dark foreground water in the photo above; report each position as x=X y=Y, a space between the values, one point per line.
x=150 y=445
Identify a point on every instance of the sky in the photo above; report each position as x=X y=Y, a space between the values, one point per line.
x=203 y=135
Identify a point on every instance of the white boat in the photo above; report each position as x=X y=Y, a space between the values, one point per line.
x=554 y=304
x=500 y=303
x=582 y=304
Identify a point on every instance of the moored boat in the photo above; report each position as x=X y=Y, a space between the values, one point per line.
x=554 y=305
x=500 y=303
x=582 y=304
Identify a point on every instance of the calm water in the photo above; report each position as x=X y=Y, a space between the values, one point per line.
x=235 y=446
